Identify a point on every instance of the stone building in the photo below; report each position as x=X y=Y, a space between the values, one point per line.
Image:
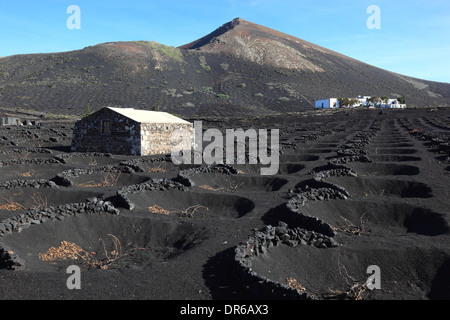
x=128 y=131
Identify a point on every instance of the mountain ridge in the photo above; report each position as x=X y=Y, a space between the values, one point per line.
x=241 y=68
x=229 y=26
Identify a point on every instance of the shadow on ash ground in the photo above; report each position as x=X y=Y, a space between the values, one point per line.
x=396 y=214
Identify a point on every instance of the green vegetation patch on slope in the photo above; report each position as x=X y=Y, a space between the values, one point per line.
x=169 y=51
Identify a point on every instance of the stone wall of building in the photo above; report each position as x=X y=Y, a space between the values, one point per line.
x=162 y=138
x=127 y=137
x=123 y=136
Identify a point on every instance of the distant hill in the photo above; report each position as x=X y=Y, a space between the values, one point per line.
x=239 y=69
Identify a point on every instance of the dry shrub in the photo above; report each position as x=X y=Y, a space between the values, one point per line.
x=247 y=170
x=206 y=187
x=66 y=251
x=158 y=209
x=354 y=292
x=10 y=205
x=293 y=283
x=161 y=168
x=232 y=186
x=187 y=213
x=108 y=180
x=22 y=156
x=90 y=184
x=71 y=251
x=355 y=289
x=39 y=202
x=27 y=174
x=352 y=229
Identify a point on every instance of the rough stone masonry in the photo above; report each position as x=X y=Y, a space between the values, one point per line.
x=128 y=131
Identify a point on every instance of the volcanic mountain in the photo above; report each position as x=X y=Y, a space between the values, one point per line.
x=239 y=69
x=261 y=45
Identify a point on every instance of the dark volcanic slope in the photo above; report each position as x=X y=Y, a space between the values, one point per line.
x=377 y=182
x=241 y=68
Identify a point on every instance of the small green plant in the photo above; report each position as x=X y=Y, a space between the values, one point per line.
x=223 y=96
x=88 y=110
x=347 y=101
x=385 y=99
x=402 y=100
x=156 y=106
x=208 y=89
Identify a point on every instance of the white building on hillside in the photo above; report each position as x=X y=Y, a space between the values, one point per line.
x=327 y=103
x=363 y=101
x=360 y=101
x=392 y=103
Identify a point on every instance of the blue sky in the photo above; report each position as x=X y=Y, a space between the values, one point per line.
x=414 y=38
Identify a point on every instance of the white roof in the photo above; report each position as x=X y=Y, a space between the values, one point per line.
x=145 y=116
